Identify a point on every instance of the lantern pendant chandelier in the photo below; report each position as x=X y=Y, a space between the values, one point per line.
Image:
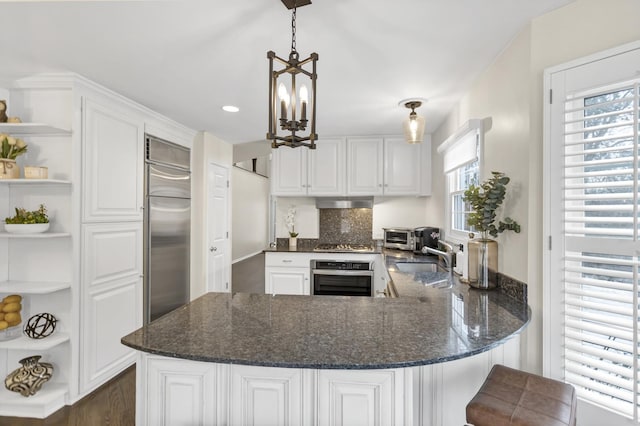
x=292 y=95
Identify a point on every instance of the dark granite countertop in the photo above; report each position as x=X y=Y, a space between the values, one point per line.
x=427 y=324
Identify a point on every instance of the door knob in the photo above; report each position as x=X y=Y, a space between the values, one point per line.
x=213 y=248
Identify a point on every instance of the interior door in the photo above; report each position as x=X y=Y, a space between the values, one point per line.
x=218 y=242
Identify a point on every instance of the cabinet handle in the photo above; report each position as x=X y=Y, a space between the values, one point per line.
x=213 y=248
x=379 y=185
x=287 y=261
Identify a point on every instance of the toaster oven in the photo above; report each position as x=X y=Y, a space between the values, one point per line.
x=399 y=238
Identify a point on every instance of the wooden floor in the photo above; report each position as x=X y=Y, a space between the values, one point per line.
x=113 y=404
x=247 y=276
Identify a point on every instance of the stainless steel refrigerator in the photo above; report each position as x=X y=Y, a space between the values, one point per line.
x=167 y=224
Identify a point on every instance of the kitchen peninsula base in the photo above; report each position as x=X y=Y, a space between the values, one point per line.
x=183 y=392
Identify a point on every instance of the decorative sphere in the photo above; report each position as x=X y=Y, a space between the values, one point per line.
x=40 y=325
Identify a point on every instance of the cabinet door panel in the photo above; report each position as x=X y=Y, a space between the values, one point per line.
x=401 y=167
x=364 y=160
x=109 y=313
x=289 y=171
x=287 y=281
x=180 y=392
x=327 y=168
x=266 y=396
x=348 y=397
x=110 y=252
x=113 y=163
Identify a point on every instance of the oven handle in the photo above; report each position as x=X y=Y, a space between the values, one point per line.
x=340 y=272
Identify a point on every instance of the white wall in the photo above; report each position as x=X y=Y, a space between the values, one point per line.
x=250 y=207
x=206 y=149
x=510 y=92
x=409 y=212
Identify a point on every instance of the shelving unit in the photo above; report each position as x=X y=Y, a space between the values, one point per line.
x=52 y=288
x=39 y=129
x=50 y=398
x=34 y=182
x=42 y=235
x=25 y=343
x=33 y=287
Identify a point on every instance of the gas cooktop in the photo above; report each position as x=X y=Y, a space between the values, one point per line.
x=343 y=248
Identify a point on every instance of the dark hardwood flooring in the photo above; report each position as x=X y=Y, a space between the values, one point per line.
x=112 y=404
x=247 y=276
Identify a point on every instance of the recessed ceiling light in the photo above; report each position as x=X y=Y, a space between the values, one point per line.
x=231 y=108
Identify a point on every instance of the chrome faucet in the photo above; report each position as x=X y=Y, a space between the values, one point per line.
x=446 y=255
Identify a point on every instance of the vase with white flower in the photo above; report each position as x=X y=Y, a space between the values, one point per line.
x=10 y=149
x=290 y=220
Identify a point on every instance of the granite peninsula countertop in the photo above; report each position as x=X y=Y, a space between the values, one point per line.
x=427 y=324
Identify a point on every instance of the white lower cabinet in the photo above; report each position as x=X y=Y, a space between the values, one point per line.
x=367 y=398
x=287 y=273
x=269 y=396
x=287 y=281
x=172 y=391
x=179 y=394
x=111 y=298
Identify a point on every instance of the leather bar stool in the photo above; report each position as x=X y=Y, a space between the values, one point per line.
x=513 y=397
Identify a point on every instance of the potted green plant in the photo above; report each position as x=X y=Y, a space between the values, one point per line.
x=484 y=201
x=27 y=222
x=10 y=149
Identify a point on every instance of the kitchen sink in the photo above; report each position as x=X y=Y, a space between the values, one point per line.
x=412 y=267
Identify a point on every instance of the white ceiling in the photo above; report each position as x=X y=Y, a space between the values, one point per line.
x=185 y=59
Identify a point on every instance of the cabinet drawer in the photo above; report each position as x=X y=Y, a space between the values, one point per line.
x=295 y=260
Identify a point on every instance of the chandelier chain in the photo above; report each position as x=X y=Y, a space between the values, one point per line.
x=293 y=28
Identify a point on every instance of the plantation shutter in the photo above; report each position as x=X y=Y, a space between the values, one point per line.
x=600 y=259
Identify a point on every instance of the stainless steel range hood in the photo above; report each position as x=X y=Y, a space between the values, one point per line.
x=344 y=203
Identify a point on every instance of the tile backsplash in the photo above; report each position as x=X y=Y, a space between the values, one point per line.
x=346 y=226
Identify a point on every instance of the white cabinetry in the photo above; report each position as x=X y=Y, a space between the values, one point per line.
x=86 y=270
x=350 y=397
x=365 y=162
x=183 y=392
x=267 y=396
x=388 y=166
x=179 y=393
x=113 y=161
x=287 y=273
x=301 y=171
x=111 y=290
x=112 y=298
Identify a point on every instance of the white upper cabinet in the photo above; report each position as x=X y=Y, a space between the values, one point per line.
x=365 y=160
x=388 y=166
x=289 y=171
x=113 y=162
x=301 y=171
x=326 y=174
x=401 y=167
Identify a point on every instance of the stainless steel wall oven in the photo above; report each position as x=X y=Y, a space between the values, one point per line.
x=341 y=278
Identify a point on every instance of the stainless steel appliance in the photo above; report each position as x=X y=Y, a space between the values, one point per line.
x=399 y=238
x=167 y=224
x=426 y=236
x=341 y=278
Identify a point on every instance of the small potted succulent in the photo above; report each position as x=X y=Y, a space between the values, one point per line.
x=27 y=222
x=10 y=149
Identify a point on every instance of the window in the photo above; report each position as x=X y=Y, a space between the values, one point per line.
x=462 y=167
x=594 y=265
x=458 y=181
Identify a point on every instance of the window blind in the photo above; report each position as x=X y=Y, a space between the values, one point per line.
x=461 y=148
x=601 y=267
